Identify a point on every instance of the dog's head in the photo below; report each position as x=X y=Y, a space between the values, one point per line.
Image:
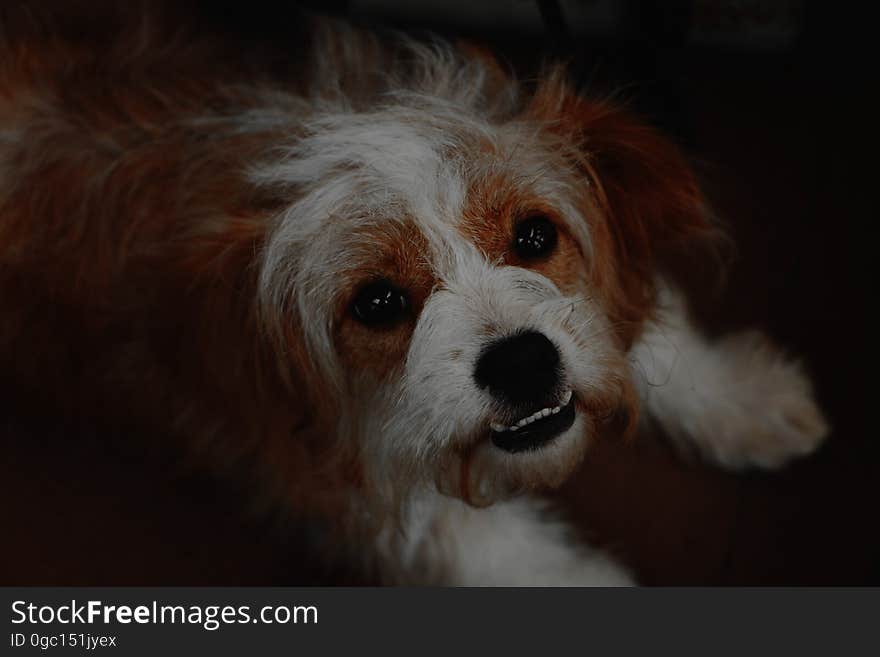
x=466 y=267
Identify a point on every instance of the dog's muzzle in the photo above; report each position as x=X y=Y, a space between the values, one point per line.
x=524 y=373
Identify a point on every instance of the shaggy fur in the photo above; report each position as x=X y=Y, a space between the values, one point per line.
x=183 y=229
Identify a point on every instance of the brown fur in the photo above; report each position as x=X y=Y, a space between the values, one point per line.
x=404 y=261
x=127 y=237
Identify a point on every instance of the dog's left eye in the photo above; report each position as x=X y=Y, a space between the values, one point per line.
x=379 y=304
x=534 y=237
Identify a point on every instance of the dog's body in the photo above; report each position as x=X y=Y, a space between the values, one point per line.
x=392 y=287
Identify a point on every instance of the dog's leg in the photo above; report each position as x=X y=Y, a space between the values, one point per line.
x=738 y=401
x=513 y=543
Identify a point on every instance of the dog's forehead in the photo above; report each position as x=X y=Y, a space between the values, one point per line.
x=440 y=173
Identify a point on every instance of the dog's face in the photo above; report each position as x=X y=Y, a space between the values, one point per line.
x=460 y=283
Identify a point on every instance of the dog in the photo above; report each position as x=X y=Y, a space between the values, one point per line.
x=395 y=289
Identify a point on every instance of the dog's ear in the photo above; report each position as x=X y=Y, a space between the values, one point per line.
x=646 y=192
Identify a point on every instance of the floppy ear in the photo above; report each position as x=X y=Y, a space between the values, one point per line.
x=646 y=193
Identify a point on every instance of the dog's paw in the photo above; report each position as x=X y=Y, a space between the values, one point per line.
x=757 y=410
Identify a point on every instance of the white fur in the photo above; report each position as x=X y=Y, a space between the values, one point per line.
x=516 y=543
x=738 y=402
x=438 y=406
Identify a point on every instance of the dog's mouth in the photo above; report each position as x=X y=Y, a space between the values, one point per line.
x=536 y=430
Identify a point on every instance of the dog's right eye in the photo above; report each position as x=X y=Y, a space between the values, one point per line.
x=380 y=304
x=535 y=237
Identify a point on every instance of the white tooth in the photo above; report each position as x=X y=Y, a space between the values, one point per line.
x=566 y=398
x=497 y=427
x=514 y=428
x=555 y=410
x=545 y=412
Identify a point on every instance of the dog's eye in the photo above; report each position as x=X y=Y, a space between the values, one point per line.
x=534 y=237
x=379 y=304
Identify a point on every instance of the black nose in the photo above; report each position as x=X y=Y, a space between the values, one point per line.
x=520 y=369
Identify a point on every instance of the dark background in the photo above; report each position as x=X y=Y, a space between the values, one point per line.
x=779 y=128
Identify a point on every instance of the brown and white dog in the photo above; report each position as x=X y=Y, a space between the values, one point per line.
x=388 y=284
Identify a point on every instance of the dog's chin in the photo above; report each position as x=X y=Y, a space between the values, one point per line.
x=498 y=467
